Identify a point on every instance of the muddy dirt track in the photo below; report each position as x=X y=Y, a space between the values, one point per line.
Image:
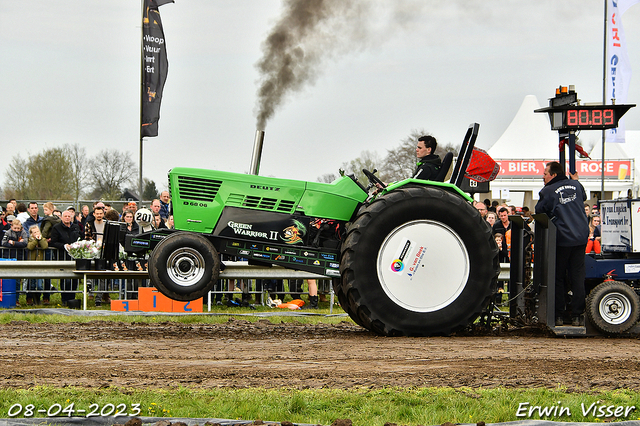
x=242 y=354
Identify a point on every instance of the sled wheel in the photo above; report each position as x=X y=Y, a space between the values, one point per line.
x=613 y=307
x=418 y=261
x=184 y=266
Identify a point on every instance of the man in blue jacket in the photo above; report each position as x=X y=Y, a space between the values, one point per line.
x=562 y=200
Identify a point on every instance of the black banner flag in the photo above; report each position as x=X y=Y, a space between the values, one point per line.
x=154 y=66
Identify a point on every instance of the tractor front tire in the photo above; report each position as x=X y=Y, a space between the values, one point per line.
x=418 y=261
x=184 y=266
x=613 y=307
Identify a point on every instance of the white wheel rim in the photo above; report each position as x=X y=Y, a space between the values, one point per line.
x=615 y=308
x=423 y=265
x=185 y=266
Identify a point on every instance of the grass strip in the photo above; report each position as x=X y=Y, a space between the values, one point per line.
x=218 y=317
x=413 y=406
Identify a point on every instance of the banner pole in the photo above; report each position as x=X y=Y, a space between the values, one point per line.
x=141 y=92
x=604 y=93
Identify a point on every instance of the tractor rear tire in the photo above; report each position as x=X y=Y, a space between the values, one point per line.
x=184 y=266
x=344 y=301
x=418 y=261
x=613 y=307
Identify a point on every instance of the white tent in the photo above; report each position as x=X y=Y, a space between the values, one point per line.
x=528 y=136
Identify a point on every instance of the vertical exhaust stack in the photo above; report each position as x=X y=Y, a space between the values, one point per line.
x=257 y=152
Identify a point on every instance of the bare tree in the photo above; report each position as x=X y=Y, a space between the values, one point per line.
x=369 y=160
x=44 y=176
x=16 y=183
x=111 y=170
x=400 y=162
x=80 y=168
x=327 y=177
x=49 y=175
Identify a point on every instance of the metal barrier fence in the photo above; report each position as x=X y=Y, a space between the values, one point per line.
x=66 y=269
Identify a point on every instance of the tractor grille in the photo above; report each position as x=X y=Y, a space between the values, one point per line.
x=198 y=189
x=262 y=203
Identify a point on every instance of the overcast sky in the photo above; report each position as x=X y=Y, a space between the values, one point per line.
x=70 y=73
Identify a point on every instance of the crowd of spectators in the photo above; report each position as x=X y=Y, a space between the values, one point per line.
x=25 y=235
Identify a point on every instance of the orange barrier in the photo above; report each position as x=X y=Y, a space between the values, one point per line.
x=151 y=300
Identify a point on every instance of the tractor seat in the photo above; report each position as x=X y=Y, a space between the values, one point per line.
x=444 y=169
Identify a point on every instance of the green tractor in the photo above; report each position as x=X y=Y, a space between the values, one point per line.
x=415 y=258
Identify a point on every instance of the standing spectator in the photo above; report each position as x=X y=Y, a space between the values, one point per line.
x=593 y=244
x=504 y=224
x=3 y=223
x=562 y=200
x=90 y=217
x=15 y=238
x=155 y=208
x=33 y=217
x=47 y=224
x=587 y=209
x=494 y=207
x=22 y=215
x=36 y=246
x=63 y=234
x=94 y=230
x=85 y=214
x=503 y=253
x=492 y=217
x=132 y=226
x=112 y=215
x=313 y=294
x=9 y=219
x=158 y=223
x=75 y=219
x=482 y=208
x=133 y=206
x=170 y=224
x=10 y=210
x=165 y=210
x=131 y=229
x=49 y=220
x=504 y=227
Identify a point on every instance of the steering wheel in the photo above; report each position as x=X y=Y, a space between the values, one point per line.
x=373 y=179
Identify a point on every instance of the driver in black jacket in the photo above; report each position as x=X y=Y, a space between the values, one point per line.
x=428 y=162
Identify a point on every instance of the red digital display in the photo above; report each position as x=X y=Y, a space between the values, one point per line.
x=590 y=117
